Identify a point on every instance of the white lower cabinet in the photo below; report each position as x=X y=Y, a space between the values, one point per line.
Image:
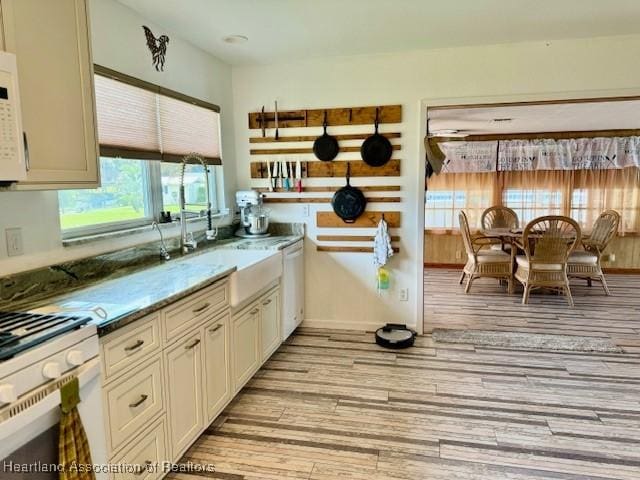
x=168 y=376
x=216 y=366
x=146 y=455
x=246 y=345
x=255 y=336
x=184 y=391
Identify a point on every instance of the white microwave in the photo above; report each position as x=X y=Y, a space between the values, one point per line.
x=13 y=165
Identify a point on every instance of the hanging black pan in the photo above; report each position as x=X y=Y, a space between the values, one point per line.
x=376 y=150
x=325 y=146
x=349 y=202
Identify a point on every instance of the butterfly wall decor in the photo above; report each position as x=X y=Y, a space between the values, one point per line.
x=158 y=48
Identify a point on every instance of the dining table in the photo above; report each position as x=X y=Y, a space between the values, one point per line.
x=511 y=236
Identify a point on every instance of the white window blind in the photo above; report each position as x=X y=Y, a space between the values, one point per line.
x=143 y=122
x=187 y=128
x=127 y=116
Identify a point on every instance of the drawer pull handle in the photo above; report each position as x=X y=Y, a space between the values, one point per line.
x=254 y=311
x=216 y=328
x=193 y=345
x=143 y=468
x=143 y=398
x=200 y=309
x=135 y=346
x=267 y=302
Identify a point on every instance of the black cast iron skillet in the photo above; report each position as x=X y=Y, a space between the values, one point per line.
x=325 y=146
x=376 y=150
x=348 y=202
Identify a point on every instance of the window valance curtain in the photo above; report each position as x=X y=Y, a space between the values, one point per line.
x=600 y=153
x=142 y=122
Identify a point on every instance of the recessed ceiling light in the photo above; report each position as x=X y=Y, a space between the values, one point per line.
x=235 y=39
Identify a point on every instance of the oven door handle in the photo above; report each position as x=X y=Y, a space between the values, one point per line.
x=48 y=400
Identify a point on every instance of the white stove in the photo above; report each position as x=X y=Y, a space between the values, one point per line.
x=38 y=354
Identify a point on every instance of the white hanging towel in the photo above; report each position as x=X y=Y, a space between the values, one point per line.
x=382 y=249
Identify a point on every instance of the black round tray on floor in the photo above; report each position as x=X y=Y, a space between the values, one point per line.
x=395 y=335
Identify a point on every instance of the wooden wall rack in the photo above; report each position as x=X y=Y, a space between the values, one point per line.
x=371 y=188
x=335 y=117
x=351 y=238
x=268 y=199
x=307 y=150
x=369 y=219
x=316 y=168
x=324 y=248
x=311 y=138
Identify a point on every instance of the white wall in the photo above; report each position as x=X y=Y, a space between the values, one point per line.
x=119 y=43
x=340 y=286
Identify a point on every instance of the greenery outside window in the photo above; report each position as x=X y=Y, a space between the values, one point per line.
x=133 y=193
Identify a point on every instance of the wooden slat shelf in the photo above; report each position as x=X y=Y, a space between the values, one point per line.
x=292 y=151
x=324 y=248
x=372 y=188
x=336 y=169
x=326 y=200
x=368 y=219
x=311 y=138
x=351 y=238
x=335 y=117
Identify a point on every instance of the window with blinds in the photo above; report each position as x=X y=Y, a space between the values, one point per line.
x=144 y=130
x=139 y=120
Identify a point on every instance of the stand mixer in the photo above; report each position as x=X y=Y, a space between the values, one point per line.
x=254 y=219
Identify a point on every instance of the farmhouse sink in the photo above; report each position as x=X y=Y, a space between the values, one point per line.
x=256 y=269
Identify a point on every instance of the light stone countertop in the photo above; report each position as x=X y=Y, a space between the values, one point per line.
x=130 y=297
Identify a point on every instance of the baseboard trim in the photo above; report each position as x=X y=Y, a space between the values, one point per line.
x=622 y=271
x=342 y=325
x=610 y=270
x=443 y=265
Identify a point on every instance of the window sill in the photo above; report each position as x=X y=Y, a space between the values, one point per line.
x=126 y=232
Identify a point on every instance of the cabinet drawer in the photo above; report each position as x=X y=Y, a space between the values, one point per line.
x=148 y=453
x=187 y=313
x=133 y=402
x=131 y=345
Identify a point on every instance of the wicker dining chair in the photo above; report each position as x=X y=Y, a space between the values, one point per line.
x=499 y=217
x=587 y=263
x=483 y=263
x=547 y=243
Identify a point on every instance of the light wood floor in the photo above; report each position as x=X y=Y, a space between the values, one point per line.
x=333 y=405
x=487 y=306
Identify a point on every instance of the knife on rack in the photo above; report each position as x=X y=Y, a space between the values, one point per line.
x=263 y=123
x=269 y=175
x=298 y=176
x=277 y=136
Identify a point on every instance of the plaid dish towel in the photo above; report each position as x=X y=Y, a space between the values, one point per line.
x=73 y=446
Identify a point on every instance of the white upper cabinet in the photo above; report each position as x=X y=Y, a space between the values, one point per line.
x=52 y=43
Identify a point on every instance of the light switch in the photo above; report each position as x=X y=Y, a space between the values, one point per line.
x=14 y=241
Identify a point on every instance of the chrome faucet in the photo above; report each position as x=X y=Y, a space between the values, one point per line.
x=187 y=240
x=164 y=253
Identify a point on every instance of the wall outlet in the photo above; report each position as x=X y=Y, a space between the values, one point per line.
x=305 y=210
x=14 y=241
x=458 y=254
x=404 y=294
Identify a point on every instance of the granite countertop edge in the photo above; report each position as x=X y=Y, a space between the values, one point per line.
x=105 y=328
x=144 y=306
